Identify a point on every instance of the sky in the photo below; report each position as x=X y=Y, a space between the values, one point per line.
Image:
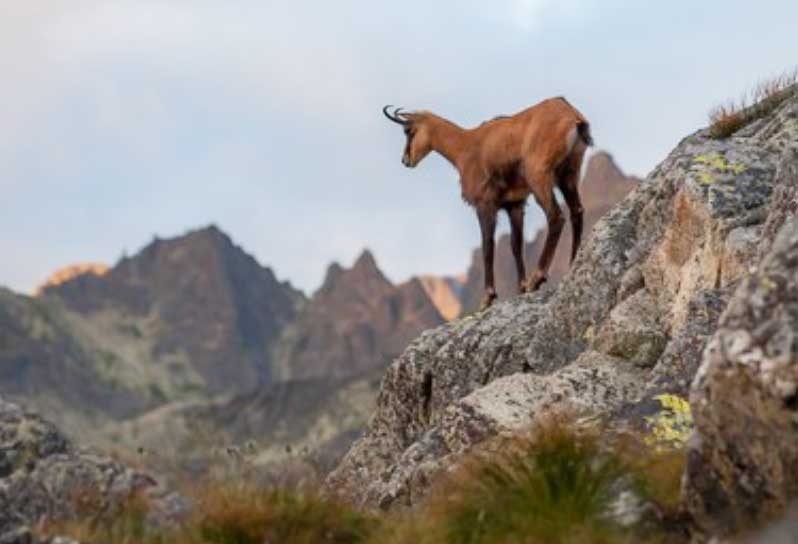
x=121 y=120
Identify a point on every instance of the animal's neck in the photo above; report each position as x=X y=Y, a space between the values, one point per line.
x=448 y=139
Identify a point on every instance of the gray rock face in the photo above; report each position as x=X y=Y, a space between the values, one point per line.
x=743 y=464
x=629 y=321
x=44 y=477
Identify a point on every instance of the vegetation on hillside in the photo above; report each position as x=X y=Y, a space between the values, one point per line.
x=558 y=484
x=757 y=103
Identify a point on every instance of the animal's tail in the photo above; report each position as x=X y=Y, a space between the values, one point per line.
x=583 y=128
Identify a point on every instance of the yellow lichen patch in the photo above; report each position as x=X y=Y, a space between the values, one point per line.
x=706 y=178
x=719 y=163
x=767 y=285
x=673 y=425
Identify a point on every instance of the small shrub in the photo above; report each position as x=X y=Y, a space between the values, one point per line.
x=546 y=491
x=239 y=514
x=768 y=95
x=558 y=485
x=122 y=522
x=555 y=487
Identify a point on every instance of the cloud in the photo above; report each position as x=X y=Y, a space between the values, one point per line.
x=121 y=119
x=532 y=14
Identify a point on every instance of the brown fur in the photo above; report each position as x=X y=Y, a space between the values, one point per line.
x=504 y=160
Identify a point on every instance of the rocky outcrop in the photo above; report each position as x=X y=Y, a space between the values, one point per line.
x=628 y=322
x=356 y=322
x=603 y=186
x=43 y=476
x=743 y=463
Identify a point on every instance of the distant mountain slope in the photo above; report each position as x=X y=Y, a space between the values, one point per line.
x=45 y=363
x=192 y=332
x=196 y=304
x=445 y=293
x=316 y=419
x=357 y=321
x=603 y=186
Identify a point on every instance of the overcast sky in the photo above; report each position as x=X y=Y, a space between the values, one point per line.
x=121 y=120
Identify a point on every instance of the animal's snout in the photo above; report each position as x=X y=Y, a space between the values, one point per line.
x=406 y=160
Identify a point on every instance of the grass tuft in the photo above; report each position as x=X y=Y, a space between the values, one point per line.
x=549 y=490
x=558 y=484
x=230 y=513
x=762 y=100
x=239 y=514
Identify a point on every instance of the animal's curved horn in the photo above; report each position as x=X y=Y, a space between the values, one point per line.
x=394 y=117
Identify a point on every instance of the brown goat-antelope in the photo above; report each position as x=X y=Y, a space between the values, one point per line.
x=500 y=163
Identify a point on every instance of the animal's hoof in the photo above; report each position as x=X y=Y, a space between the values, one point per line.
x=536 y=279
x=487 y=300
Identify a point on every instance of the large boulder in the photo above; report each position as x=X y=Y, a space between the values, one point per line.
x=743 y=462
x=44 y=477
x=632 y=315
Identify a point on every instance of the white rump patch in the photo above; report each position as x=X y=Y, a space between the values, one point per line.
x=570 y=139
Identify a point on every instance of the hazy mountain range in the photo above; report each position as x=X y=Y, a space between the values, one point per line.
x=193 y=334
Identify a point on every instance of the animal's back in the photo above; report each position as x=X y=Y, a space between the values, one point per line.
x=548 y=128
x=553 y=128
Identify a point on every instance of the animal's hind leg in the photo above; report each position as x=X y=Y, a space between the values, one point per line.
x=542 y=185
x=515 y=211
x=570 y=191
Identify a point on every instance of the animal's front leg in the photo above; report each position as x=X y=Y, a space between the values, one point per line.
x=487 y=225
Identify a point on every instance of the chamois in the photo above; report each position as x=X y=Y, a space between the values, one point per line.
x=500 y=163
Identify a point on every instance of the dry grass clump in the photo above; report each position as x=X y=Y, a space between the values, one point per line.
x=763 y=99
x=239 y=514
x=231 y=513
x=559 y=484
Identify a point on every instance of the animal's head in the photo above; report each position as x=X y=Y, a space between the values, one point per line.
x=417 y=131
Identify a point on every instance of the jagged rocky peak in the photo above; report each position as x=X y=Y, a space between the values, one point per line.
x=604 y=183
x=601 y=165
x=356 y=322
x=366 y=263
x=203 y=304
x=334 y=272
x=445 y=293
x=71 y=272
x=628 y=323
x=363 y=277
